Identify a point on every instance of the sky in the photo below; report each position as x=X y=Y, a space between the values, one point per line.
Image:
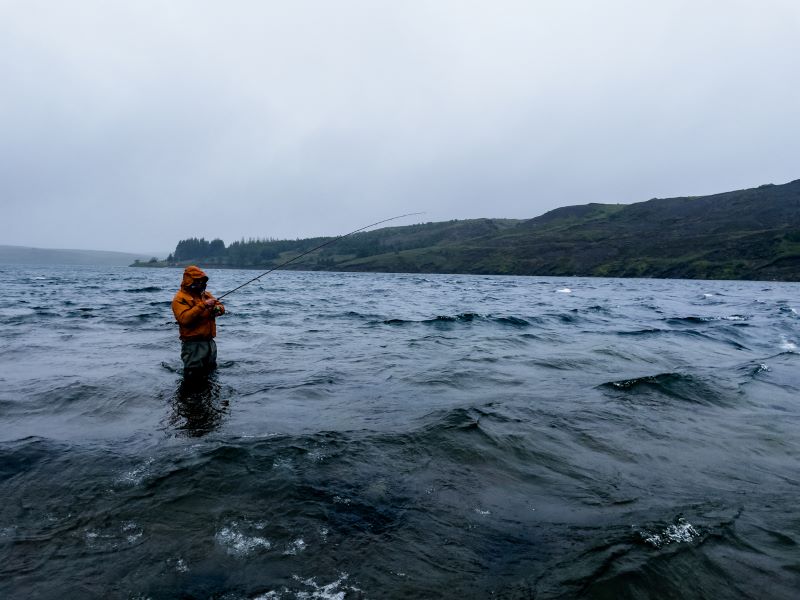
x=129 y=125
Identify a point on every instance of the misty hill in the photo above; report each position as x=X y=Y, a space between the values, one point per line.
x=746 y=234
x=21 y=255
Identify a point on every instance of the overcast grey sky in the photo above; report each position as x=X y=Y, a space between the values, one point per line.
x=127 y=125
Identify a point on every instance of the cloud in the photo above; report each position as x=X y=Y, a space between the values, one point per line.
x=129 y=125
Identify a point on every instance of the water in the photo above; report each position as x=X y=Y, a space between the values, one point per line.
x=400 y=436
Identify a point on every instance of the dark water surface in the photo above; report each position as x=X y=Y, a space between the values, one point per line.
x=400 y=436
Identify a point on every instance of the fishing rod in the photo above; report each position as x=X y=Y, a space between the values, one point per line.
x=299 y=256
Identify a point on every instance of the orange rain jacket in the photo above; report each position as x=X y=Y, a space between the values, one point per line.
x=195 y=320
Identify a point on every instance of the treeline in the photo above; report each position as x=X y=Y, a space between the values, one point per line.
x=250 y=252
x=200 y=249
x=197 y=247
x=263 y=252
x=257 y=252
x=391 y=241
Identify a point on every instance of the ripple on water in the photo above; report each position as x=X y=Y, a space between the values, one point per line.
x=126 y=534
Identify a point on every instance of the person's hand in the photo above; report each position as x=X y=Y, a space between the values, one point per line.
x=210 y=303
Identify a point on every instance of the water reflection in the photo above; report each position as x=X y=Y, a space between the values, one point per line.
x=197 y=408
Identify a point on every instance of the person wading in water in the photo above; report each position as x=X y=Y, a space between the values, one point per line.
x=196 y=311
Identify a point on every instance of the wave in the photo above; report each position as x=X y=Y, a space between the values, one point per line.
x=467 y=317
x=644 y=332
x=480 y=434
x=515 y=321
x=599 y=309
x=655 y=560
x=561 y=363
x=569 y=317
x=151 y=289
x=679 y=386
x=694 y=320
x=462 y=419
x=689 y=333
x=752 y=371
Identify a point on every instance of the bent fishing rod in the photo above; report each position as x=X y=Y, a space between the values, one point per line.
x=314 y=249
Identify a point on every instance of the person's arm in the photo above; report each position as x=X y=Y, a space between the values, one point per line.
x=185 y=313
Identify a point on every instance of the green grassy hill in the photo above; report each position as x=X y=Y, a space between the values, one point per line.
x=746 y=234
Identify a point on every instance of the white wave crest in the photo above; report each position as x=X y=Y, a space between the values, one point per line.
x=136 y=475
x=336 y=590
x=178 y=565
x=295 y=547
x=238 y=542
x=679 y=532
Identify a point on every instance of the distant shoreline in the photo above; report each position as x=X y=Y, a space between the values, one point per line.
x=29 y=255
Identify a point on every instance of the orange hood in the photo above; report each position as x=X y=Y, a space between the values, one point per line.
x=192 y=274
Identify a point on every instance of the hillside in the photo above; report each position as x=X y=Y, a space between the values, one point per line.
x=746 y=234
x=23 y=255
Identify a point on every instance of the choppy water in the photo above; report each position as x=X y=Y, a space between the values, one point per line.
x=400 y=436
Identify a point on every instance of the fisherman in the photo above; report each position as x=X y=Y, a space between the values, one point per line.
x=196 y=310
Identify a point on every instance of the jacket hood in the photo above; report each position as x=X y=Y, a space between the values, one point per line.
x=192 y=274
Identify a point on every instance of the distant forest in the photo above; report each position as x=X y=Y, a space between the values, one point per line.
x=267 y=252
x=745 y=234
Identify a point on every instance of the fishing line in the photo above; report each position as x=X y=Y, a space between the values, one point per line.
x=299 y=256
